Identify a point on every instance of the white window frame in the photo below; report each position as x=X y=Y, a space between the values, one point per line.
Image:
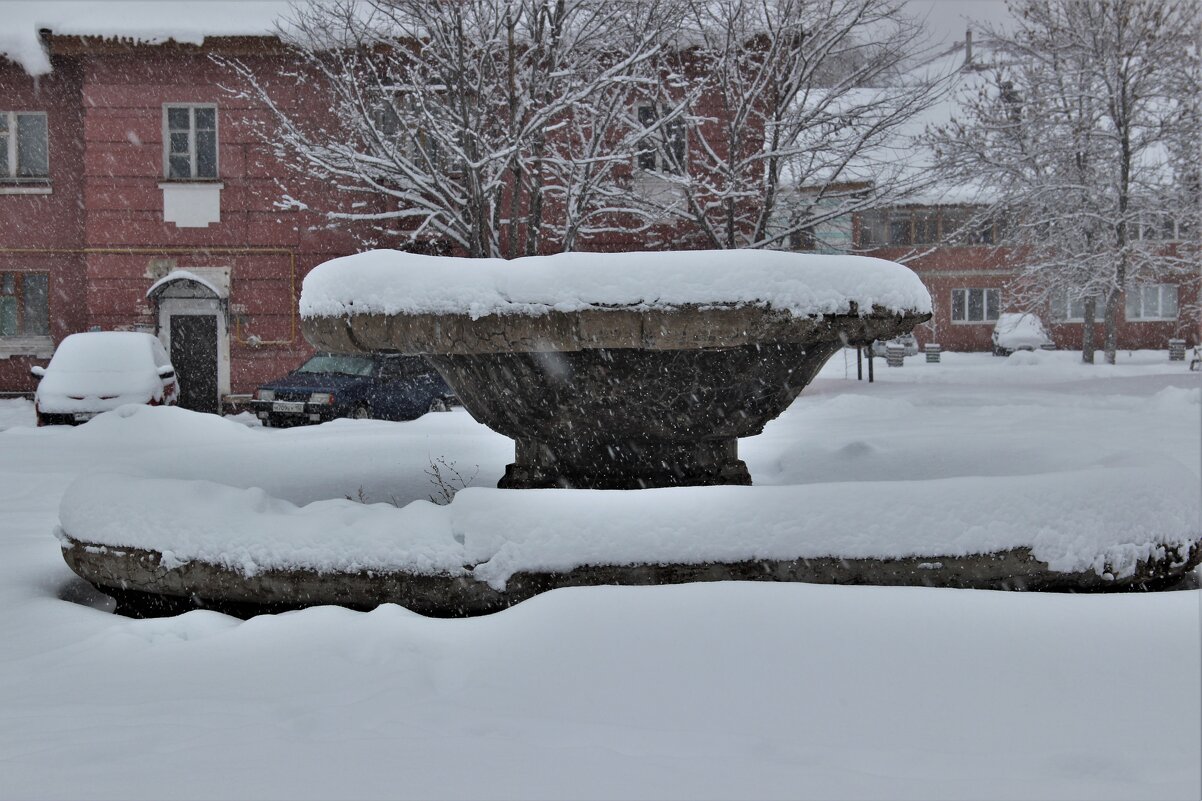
x=1135 y=297
x=415 y=144
x=985 y=318
x=1152 y=229
x=1074 y=302
x=661 y=142
x=10 y=144
x=192 y=150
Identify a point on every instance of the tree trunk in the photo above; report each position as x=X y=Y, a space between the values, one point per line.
x=1087 y=330
x=1112 y=317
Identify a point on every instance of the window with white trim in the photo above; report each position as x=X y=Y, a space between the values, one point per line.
x=1152 y=302
x=1069 y=307
x=24 y=304
x=976 y=305
x=190 y=141
x=24 y=146
x=664 y=149
x=414 y=142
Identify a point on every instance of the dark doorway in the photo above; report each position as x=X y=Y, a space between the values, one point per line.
x=194 y=356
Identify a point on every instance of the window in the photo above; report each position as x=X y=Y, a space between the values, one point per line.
x=921 y=226
x=407 y=135
x=1163 y=227
x=1069 y=307
x=1152 y=302
x=24 y=146
x=976 y=305
x=665 y=146
x=874 y=229
x=24 y=304
x=400 y=367
x=900 y=229
x=190 y=143
x=926 y=227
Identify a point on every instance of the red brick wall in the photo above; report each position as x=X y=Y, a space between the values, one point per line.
x=953 y=268
x=267 y=250
x=48 y=226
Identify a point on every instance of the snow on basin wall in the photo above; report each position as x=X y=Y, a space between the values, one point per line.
x=393 y=282
x=1100 y=518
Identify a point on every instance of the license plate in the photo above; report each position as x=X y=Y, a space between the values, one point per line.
x=79 y=418
x=290 y=407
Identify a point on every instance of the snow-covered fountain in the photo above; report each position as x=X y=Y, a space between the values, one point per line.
x=634 y=371
x=617 y=371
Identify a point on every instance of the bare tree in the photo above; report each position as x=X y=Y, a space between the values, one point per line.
x=497 y=126
x=790 y=114
x=1070 y=135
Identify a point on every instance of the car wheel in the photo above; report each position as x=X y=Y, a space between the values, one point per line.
x=361 y=412
x=439 y=405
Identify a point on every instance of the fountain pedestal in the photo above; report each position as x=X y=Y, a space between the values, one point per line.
x=616 y=399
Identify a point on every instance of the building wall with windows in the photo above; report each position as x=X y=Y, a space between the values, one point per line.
x=128 y=164
x=968 y=291
x=42 y=282
x=971 y=283
x=152 y=169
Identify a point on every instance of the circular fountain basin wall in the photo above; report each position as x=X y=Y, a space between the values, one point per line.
x=616 y=371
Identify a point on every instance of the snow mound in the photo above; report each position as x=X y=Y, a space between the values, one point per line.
x=1025 y=358
x=393 y=282
x=1105 y=518
x=247 y=530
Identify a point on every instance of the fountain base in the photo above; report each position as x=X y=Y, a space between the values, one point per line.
x=143 y=587
x=625 y=464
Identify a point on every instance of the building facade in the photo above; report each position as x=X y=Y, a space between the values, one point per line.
x=129 y=169
x=134 y=195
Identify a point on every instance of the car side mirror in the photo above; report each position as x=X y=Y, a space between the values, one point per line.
x=166 y=371
x=37 y=371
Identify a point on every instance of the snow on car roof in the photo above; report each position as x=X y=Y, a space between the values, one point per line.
x=103 y=352
x=394 y=282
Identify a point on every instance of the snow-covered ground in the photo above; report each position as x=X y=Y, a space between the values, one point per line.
x=707 y=691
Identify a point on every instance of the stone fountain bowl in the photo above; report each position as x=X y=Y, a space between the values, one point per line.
x=620 y=395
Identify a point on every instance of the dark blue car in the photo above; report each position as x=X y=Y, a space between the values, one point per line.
x=383 y=386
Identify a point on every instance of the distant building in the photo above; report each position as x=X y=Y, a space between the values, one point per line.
x=135 y=196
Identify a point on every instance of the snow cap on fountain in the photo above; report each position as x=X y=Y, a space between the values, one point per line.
x=395 y=282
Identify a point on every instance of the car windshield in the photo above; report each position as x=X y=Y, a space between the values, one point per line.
x=336 y=363
x=103 y=352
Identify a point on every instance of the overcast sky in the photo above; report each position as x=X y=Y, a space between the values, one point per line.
x=947 y=19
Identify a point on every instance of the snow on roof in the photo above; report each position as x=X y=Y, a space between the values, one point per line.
x=141 y=22
x=394 y=282
x=184 y=275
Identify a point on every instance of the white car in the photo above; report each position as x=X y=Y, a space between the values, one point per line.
x=1019 y=331
x=100 y=370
